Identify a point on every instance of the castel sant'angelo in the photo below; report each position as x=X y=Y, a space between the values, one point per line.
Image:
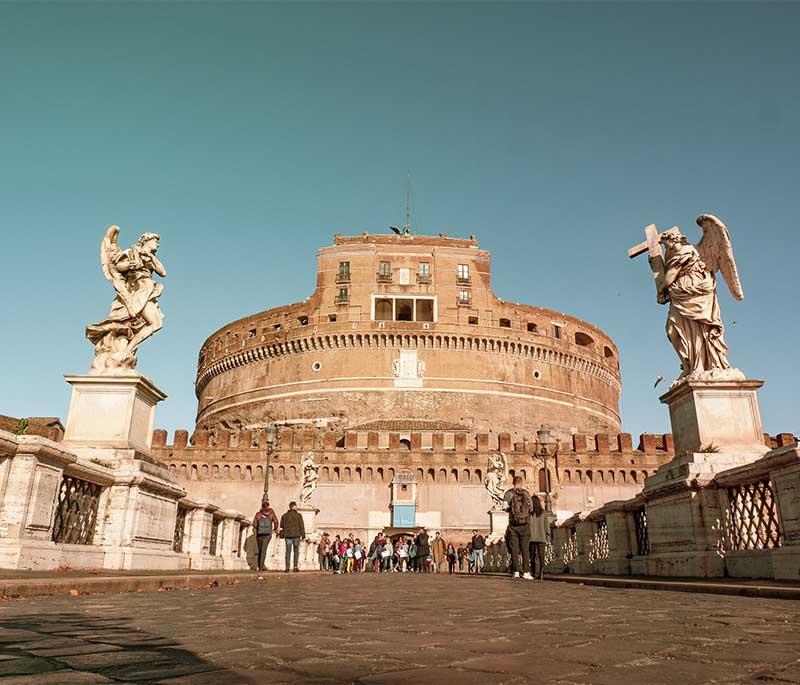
x=402 y=373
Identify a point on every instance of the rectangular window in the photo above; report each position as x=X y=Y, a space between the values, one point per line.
x=463 y=296
x=404 y=310
x=343 y=296
x=424 y=310
x=332 y=318
x=344 y=271
x=505 y=323
x=532 y=327
x=383 y=310
x=385 y=269
x=463 y=272
x=557 y=331
x=473 y=320
x=424 y=269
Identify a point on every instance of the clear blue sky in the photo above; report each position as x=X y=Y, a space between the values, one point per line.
x=247 y=134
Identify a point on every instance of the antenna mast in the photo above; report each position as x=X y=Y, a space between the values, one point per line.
x=407 y=224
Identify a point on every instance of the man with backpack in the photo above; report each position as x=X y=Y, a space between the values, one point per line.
x=264 y=524
x=292 y=529
x=518 y=534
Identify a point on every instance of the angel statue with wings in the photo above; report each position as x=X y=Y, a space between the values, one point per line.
x=496 y=477
x=686 y=279
x=134 y=315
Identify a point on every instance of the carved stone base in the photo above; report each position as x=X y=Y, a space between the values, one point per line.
x=498 y=522
x=719 y=413
x=309 y=515
x=116 y=412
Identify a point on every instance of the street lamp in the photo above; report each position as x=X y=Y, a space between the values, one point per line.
x=544 y=440
x=272 y=433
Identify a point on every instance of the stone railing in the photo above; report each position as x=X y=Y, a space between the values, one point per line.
x=58 y=509
x=743 y=522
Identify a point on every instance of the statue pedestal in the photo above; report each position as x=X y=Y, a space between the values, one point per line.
x=309 y=515
x=116 y=412
x=721 y=413
x=498 y=522
x=685 y=519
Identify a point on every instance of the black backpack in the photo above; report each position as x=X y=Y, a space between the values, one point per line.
x=520 y=507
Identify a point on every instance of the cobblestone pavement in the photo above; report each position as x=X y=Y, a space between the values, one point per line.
x=400 y=628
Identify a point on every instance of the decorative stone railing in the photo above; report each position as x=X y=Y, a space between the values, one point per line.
x=747 y=518
x=58 y=509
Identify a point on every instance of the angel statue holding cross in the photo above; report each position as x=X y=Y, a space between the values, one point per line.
x=134 y=315
x=685 y=277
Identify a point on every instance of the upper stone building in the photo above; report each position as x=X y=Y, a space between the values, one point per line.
x=407 y=327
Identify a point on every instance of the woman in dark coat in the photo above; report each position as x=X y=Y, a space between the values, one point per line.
x=423 y=550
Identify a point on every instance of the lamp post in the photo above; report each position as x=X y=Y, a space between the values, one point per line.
x=272 y=433
x=544 y=441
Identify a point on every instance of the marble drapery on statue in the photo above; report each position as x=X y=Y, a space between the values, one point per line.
x=134 y=315
x=310 y=471
x=686 y=279
x=496 y=478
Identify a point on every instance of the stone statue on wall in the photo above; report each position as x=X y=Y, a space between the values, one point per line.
x=496 y=478
x=310 y=471
x=134 y=315
x=685 y=277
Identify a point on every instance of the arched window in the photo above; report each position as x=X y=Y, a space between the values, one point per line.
x=405 y=443
x=583 y=340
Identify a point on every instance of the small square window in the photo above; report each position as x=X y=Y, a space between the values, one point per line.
x=473 y=320
x=276 y=327
x=505 y=323
x=557 y=331
x=332 y=318
x=463 y=296
x=385 y=268
x=532 y=328
x=463 y=272
x=302 y=320
x=424 y=269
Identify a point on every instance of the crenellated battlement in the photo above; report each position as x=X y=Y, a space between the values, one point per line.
x=453 y=441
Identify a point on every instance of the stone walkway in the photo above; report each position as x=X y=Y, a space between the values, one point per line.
x=400 y=628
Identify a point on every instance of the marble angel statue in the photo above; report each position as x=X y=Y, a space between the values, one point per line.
x=310 y=471
x=134 y=315
x=496 y=477
x=686 y=279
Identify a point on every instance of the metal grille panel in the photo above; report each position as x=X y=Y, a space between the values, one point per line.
x=569 y=549
x=753 y=521
x=212 y=543
x=598 y=548
x=180 y=529
x=76 y=511
x=642 y=538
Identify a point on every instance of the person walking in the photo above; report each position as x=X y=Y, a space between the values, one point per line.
x=518 y=534
x=439 y=552
x=478 y=545
x=423 y=551
x=292 y=530
x=451 y=558
x=540 y=533
x=264 y=524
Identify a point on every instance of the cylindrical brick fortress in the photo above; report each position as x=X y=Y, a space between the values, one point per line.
x=407 y=327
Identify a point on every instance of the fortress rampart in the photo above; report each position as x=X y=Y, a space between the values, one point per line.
x=407 y=326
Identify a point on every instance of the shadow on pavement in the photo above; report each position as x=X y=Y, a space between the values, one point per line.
x=67 y=647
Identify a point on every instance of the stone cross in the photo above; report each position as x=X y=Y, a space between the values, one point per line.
x=652 y=246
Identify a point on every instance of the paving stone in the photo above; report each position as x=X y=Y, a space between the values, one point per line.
x=388 y=628
x=56 y=678
x=25 y=665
